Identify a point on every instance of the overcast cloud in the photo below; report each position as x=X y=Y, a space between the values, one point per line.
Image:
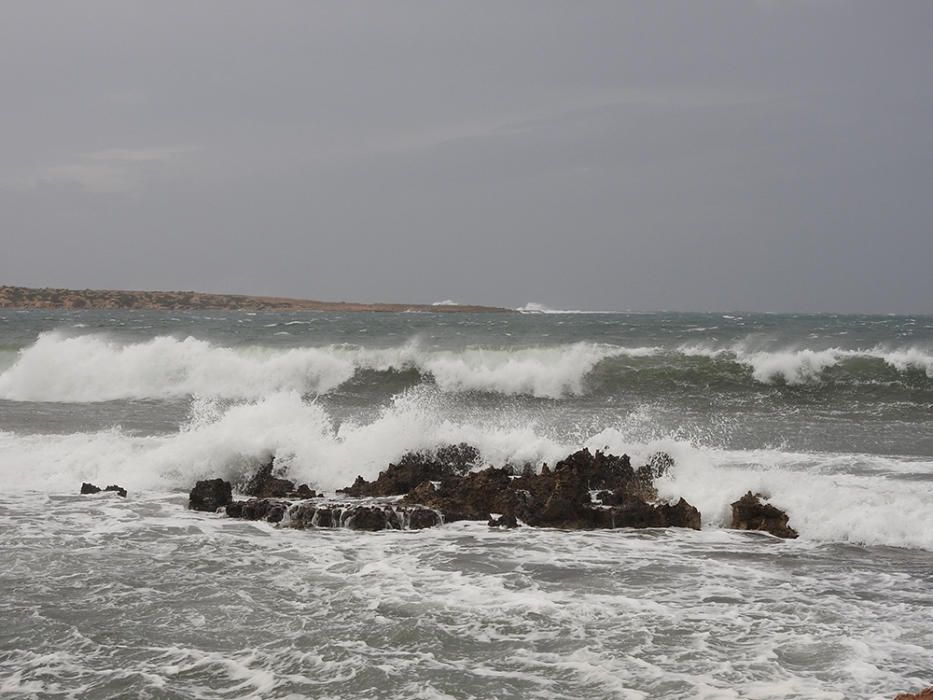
x=598 y=155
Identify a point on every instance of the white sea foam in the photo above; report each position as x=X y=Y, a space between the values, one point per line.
x=828 y=497
x=93 y=367
x=804 y=365
x=60 y=367
x=534 y=308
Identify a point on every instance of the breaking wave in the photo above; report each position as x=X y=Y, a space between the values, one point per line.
x=82 y=368
x=534 y=308
x=802 y=366
x=830 y=497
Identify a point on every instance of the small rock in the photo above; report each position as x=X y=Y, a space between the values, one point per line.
x=364 y=518
x=210 y=494
x=749 y=513
x=304 y=491
x=87 y=488
x=421 y=518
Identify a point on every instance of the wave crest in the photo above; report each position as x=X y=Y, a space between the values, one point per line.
x=865 y=499
x=58 y=367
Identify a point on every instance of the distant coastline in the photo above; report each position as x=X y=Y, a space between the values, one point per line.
x=50 y=298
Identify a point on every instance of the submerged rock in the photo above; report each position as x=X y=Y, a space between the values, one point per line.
x=269 y=509
x=87 y=488
x=210 y=494
x=749 y=513
x=354 y=516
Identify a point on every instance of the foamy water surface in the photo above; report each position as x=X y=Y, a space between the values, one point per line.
x=830 y=418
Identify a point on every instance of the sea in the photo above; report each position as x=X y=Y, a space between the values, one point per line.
x=828 y=417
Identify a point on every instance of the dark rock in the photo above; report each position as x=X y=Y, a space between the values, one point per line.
x=327 y=517
x=264 y=485
x=420 y=518
x=367 y=518
x=680 y=514
x=926 y=694
x=438 y=487
x=301 y=515
x=258 y=509
x=358 y=488
x=558 y=497
x=317 y=515
x=414 y=468
x=210 y=494
x=599 y=470
x=425 y=492
x=637 y=514
x=749 y=513
x=458 y=458
x=304 y=491
x=87 y=488
x=471 y=497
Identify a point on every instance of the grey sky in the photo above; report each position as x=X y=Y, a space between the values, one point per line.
x=603 y=155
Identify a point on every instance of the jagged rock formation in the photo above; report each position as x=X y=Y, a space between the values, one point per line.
x=749 y=513
x=415 y=468
x=210 y=494
x=584 y=490
x=87 y=488
x=558 y=497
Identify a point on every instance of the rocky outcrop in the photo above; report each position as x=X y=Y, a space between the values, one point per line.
x=439 y=486
x=749 y=513
x=87 y=488
x=415 y=468
x=471 y=497
x=210 y=494
x=558 y=497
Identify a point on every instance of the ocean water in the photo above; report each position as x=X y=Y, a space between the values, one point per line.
x=830 y=417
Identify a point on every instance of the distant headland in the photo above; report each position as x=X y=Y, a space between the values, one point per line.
x=48 y=298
